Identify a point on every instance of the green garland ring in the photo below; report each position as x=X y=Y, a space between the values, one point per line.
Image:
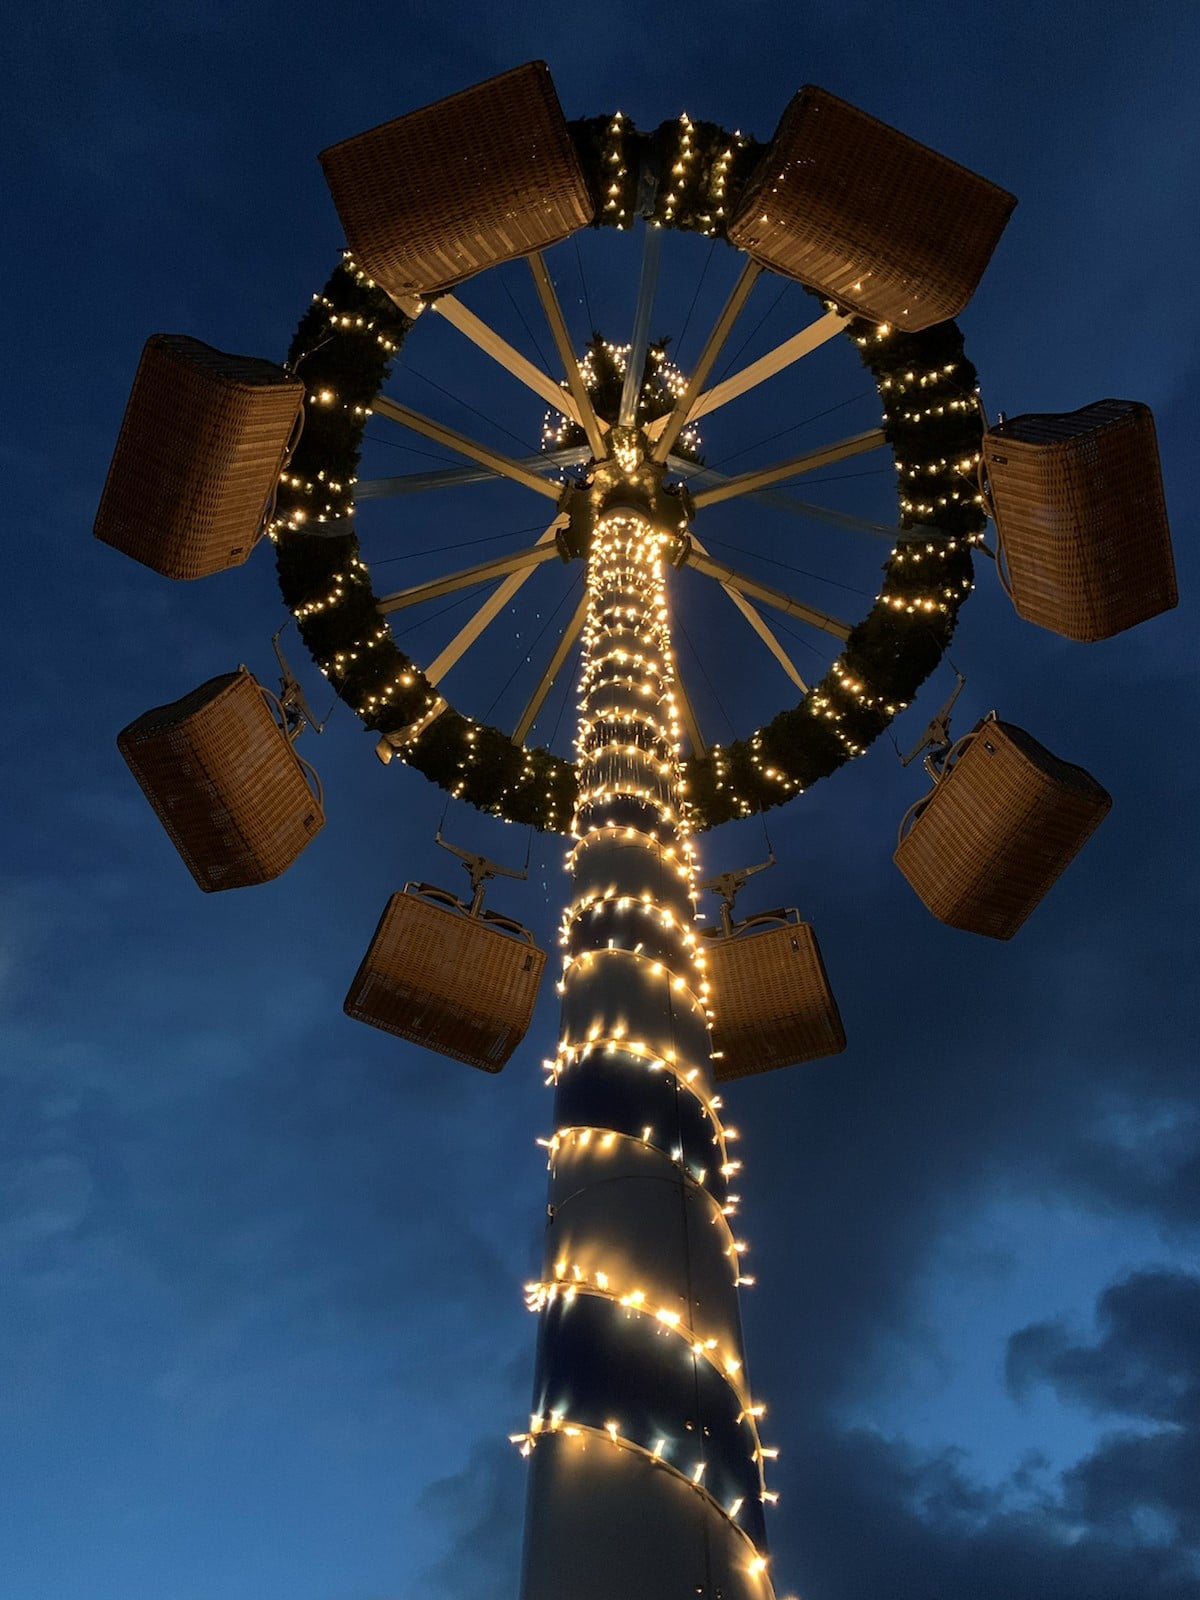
x=343 y=350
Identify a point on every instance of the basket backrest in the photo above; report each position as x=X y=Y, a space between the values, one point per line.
x=1082 y=519
x=1003 y=823
x=478 y=178
x=225 y=782
x=771 y=999
x=457 y=984
x=204 y=438
x=868 y=216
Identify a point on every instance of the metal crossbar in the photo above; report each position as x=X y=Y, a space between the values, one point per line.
x=546 y=682
x=651 y=255
x=455 y=477
x=504 y=465
x=490 y=342
x=515 y=561
x=487 y=613
x=754 y=589
x=762 y=477
x=562 y=343
x=672 y=426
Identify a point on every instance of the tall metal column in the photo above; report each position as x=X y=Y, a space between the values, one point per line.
x=646 y=1467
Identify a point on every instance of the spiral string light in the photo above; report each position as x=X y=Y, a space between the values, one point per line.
x=639 y=1294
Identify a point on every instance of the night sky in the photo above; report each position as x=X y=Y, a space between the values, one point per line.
x=261 y=1323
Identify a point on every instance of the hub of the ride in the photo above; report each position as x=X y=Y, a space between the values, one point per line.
x=627 y=478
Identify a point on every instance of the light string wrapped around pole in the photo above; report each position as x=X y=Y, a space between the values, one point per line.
x=644 y=1451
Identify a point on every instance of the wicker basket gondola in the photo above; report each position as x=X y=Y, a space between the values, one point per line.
x=227 y=785
x=1004 y=821
x=200 y=451
x=1081 y=519
x=879 y=223
x=462 y=985
x=772 y=1003
x=470 y=181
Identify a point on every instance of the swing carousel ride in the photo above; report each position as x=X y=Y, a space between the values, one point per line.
x=648 y=1471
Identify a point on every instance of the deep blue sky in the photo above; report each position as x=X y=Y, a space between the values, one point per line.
x=261 y=1331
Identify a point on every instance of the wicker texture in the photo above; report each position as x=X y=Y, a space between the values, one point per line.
x=470 y=181
x=771 y=999
x=1080 y=514
x=1004 y=821
x=447 y=981
x=204 y=439
x=864 y=214
x=226 y=784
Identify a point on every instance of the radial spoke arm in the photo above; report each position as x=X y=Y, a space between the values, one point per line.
x=763 y=477
x=761 y=627
x=504 y=465
x=455 y=477
x=500 y=350
x=651 y=254
x=488 y=612
x=805 y=508
x=562 y=343
x=752 y=589
x=800 y=344
x=515 y=561
x=555 y=665
x=672 y=424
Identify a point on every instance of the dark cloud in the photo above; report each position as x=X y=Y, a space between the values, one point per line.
x=879 y=1518
x=1146 y=1362
x=479 y=1514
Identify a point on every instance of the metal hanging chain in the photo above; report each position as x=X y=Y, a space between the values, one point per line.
x=699 y=285
x=724 y=544
x=546 y=367
x=443 y=460
x=466 y=404
x=699 y=660
x=461 y=544
x=729 y=360
x=817 y=416
x=536 y=640
x=762 y=817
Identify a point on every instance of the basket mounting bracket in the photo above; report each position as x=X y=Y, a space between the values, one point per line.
x=728 y=886
x=480 y=869
x=936 y=739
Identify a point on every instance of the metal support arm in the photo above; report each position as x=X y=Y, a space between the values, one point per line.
x=463 y=579
x=751 y=587
x=762 y=477
x=504 y=465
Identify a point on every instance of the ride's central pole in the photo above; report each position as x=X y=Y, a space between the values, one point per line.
x=646 y=1467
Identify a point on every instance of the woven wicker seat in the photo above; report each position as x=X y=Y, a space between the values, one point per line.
x=441 y=978
x=470 y=181
x=204 y=439
x=1004 y=821
x=772 y=1003
x=226 y=783
x=869 y=217
x=1081 y=519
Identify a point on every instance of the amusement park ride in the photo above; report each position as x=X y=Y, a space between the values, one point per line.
x=648 y=1475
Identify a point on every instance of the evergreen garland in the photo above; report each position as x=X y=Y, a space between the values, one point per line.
x=688 y=175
